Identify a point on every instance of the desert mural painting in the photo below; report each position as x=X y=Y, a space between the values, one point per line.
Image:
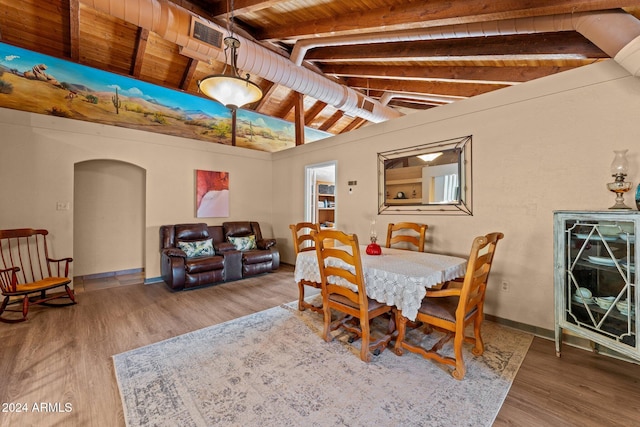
x=38 y=83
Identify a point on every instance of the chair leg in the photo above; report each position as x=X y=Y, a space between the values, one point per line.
x=365 y=354
x=391 y=328
x=401 y=325
x=5 y=301
x=442 y=341
x=25 y=307
x=25 y=310
x=301 y=304
x=71 y=294
x=478 y=348
x=460 y=370
x=326 y=334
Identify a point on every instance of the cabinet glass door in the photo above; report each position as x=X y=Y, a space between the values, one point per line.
x=600 y=278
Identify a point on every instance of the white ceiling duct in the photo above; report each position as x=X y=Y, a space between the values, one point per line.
x=611 y=31
x=177 y=25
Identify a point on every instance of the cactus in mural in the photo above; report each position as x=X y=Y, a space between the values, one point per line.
x=116 y=101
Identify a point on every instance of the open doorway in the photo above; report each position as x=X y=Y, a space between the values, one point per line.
x=108 y=224
x=320 y=194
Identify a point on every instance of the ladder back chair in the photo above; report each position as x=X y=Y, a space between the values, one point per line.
x=27 y=272
x=302 y=242
x=452 y=309
x=343 y=290
x=407 y=233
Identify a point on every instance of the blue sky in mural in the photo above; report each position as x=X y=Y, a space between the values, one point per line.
x=22 y=60
x=102 y=81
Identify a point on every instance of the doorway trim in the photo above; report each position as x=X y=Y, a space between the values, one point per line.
x=310 y=178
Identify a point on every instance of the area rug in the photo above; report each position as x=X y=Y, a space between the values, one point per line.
x=273 y=369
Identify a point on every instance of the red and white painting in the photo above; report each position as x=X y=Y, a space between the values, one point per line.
x=212 y=194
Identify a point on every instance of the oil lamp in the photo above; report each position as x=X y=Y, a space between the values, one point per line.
x=619 y=169
x=373 y=248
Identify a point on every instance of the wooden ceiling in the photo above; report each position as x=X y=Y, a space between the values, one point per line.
x=415 y=75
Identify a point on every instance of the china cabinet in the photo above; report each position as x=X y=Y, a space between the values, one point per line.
x=596 y=288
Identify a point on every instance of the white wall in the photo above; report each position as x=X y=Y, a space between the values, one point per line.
x=38 y=154
x=537 y=147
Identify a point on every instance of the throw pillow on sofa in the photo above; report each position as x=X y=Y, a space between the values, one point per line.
x=244 y=243
x=197 y=248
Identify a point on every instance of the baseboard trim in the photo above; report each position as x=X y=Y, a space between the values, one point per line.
x=109 y=274
x=539 y=332
x=567 y=339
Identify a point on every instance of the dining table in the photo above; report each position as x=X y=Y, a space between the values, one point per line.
x=397 y=277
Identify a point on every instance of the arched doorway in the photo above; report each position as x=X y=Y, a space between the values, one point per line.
x=109 y=218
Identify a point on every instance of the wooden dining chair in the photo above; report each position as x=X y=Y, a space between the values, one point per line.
x=302 y=242
x=407 y=233
x=452 y=309
x=343 y=290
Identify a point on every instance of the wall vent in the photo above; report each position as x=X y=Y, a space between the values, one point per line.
x=368 y=105
x=206 y=34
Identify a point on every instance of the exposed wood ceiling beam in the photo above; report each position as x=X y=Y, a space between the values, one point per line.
x=188 y=73
x=138 y=55
x=355 y=124
x=434 y=87
x=418 y=14
x=243 y=6
x=328 y=124
x=74 y=30
x=299 y=118
x=199 y=7
x=312 y=112
x=266 y=95
x=569 y=43
x=287 y=104
x=495 y=74
x=413 y=104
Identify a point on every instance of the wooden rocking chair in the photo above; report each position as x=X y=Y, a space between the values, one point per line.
x=27 y=272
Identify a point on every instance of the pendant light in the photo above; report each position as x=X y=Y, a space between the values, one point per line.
x=230 y=89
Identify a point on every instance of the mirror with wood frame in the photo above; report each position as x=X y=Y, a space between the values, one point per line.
x=430 y=178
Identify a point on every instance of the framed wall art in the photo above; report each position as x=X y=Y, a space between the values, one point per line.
x=212 y=194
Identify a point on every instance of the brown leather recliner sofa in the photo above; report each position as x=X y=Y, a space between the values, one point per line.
x=263 y=258
x=182 y=270
x=194 y=255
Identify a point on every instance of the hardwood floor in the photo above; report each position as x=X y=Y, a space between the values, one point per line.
x=62 y=356
x=581 y=388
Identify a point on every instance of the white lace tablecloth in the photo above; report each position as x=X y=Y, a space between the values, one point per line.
x=397 y=277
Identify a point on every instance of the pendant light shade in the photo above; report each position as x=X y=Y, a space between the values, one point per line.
x=231 y=90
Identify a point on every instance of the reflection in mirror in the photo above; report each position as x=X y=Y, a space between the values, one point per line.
x=429 y=178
